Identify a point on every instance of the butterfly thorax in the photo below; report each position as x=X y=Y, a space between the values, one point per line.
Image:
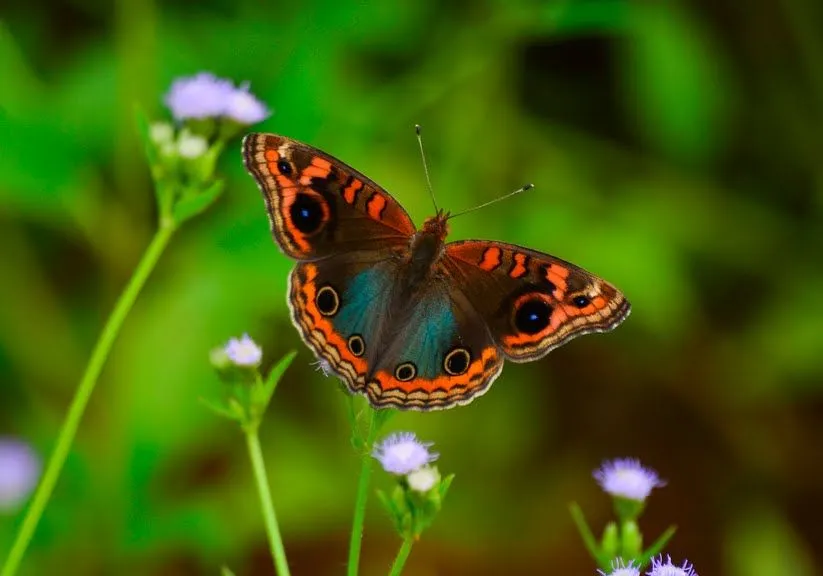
x=426 y=248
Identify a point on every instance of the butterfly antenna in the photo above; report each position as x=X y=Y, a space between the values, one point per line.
x=495 y=201
x=425 y=166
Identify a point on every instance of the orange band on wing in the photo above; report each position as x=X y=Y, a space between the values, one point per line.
x=557 y=275
x=375 y=206
x=519 y=269
x=319 y=168
x=491 y=259
x=350 y=193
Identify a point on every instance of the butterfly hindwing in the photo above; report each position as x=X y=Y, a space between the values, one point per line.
x=530 y=301
x=428 y=353
x=319 y=206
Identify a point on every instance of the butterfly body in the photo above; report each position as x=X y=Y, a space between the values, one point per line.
x=397 y=313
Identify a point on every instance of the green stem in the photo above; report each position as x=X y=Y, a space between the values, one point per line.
x=81 y=397
x=402 y=556
x=278 y=552
x=362 y=496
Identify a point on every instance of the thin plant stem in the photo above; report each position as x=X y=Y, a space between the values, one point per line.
x=402 y=556
x=278 y=552
x=82 y=395
x=362 y=495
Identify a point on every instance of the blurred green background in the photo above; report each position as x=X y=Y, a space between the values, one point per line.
x=677 y=151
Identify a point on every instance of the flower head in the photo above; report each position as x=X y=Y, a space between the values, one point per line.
x=207 y=96
x=423 y=479
x=323 y=366
x=200 y=96
x=19 y=472
x=627 y=478
x=243 y=351
x=669 y=569
x=621 y=569
x=244 y=107
x=402 y=453
x=190 y=145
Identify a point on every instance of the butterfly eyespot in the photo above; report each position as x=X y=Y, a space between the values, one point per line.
x=405 y=372
x=356 y=345
x=306 y=213
x=581 y=301
x=532 y=316
x=284 y=167
x=327 y=301
x=457 y=362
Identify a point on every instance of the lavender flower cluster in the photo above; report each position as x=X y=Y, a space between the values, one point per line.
x=206 y=96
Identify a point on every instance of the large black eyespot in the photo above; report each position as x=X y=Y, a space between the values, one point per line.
x=306 y=213
x=356 y=345
x=405 y=371
x=284 y=167
x=532 y=316
x=457 y=362
x=581 y=301
x=327 y=301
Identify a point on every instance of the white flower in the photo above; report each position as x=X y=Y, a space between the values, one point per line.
x=190 y=145
x=423 y=479
x=621 y=569
x=669 y=569
x=161 y=132
x=244 y=107
x=402 y=453
x=243 y=352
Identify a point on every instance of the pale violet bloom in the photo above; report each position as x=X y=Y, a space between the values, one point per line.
x=402 y=453
x=423 y=479
x=200 y=96
x=621 y=569
x=207 y=96
x=244 y=351
x=244 y=107
x=669 y=569
x=19 y=472
x=627 y=478
x=190 y=145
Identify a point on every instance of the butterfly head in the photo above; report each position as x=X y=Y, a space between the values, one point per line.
x=437 y=226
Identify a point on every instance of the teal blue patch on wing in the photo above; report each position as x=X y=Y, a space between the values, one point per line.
x=430 y=334
x=363 y=301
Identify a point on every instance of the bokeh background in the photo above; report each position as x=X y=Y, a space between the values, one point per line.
x=677 y=151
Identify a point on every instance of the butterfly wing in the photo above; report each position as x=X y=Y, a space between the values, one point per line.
x=319 y=206
x=430 y=352
x=531 y=302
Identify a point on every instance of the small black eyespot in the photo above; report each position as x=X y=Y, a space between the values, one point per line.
x=306 y=213
x=581 y=301
x=284 y=167
x=327 y=301
x=532 y=316
x=457 y=362
x=356 y=345
x=405 y=372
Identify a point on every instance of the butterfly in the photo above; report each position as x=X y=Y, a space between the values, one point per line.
x=401 y=316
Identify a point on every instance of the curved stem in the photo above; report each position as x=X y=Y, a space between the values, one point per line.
x=278 y=552
x=362 y=496
x=402 y=556
x=81 y=397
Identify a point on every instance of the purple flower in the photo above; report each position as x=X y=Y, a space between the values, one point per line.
x=200 y=96
x=244 y=107
x=627 y=478
x=669 y=569
x=207 y=96
x=402 y=453
x=621 y=569
x=19 y=472
x=243 y=352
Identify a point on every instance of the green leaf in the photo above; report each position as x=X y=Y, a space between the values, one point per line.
x=657 y=547
x=224 y=409
x=192 y=204
x=265 y=390
x=226 y=571
x=587 y=536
